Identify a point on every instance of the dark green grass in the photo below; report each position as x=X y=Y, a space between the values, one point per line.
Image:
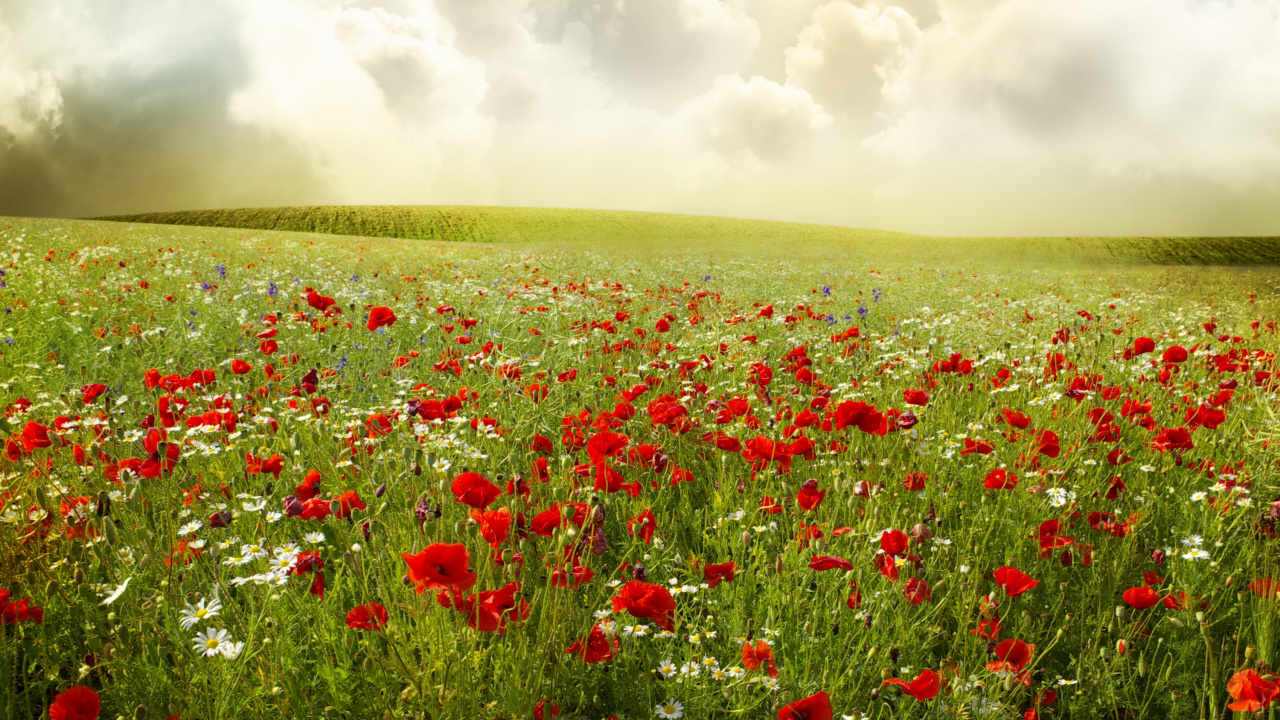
x=627 y=230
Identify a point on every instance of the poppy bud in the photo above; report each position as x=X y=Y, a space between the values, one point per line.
x=1119 y=612
x=639 y=572
x=380 y=491
x=109 y=530
x=1176 y=622
x=1066 y=559
x=1121 y=647
x=365 y=528
x=746 y=539
x=1142 y=666
x=808 y=626
x=292 y=506
x=1250 y=652
x=862 y=489
x=295 y=442
x=1158 y=556
x=1200 y=617
x=907 y=420
x=42 y=497
x=777 y=564
x=885 y=673
x=893 y=654
x=866 y=620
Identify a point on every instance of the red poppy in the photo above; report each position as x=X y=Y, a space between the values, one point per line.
x=1014 y=418
x=268 y=347
x=981 y=447
x=713 y=575
x=370 y=616
x=1014 y=581
x=1251 y=691
x=924 y=687
x=829 y=562
x=810 y=497
x=495 y=525
x=912 y=396
x=1000 y=479
x=381 y=317
x=915 y=481
x=77 y=703
x=471 y=488
x=240 y=367
x=647 y=601
x=35 y=435
x=758 y=656
x=814 y=707
x=489 y=610
x=1141 y=597
x=441 y=566
x=347 y=502
x=893 y=543
x=643 y=526
x=596 y=648
x=865 y=417
x=320 y=302
x=1013 y=656
x=89 y=393
x=14 y=613
x=1265 y=587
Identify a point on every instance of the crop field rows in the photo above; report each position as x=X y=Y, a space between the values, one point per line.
x=249 y=473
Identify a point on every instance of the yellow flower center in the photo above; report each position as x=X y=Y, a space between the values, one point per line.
x=211 y=643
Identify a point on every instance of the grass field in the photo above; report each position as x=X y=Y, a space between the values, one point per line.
x=632 y=473
x=620 y=229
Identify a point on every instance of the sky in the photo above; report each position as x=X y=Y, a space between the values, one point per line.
x=944 y=117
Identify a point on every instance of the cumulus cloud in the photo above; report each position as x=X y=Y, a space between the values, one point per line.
x=943 y=116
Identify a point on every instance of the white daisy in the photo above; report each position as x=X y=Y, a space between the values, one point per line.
x=670 y=710
x=212 y=642
x=203 y=610
x=117 y=592
x=666 y=668
x=315 y=538
x=190 y=527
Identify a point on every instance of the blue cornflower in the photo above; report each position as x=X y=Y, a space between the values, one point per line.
x=272 y=289
x=826 y=290
x=222 y=270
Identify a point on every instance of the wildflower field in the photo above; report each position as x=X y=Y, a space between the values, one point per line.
x=264 y=474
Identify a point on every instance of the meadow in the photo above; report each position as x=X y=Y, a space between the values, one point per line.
x=747 y=471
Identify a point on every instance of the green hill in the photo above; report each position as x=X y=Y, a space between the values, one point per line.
x=648 y=232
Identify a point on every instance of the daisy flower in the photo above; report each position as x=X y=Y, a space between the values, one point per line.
x=670 y=710
x=203 y=610
x=666 y=669
x=315 y=538
x=212 y=642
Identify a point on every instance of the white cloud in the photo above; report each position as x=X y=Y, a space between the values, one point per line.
x=945 y=116
x=30 y=102
x=382 y=102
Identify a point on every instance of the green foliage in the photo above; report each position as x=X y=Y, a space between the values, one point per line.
x=76 y=312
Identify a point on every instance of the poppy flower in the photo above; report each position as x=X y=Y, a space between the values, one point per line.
x=92 y=392
x=347 y=502
x=814 y=707
x=1000 y=479
x=240 y=367
x=489 y=610
x=810 y=497
x=441 y=566
x=596 y=648
x=495 y=525
x=370 y=616
x=77 y=703
x=759 y=656
x=643 y=526
x=924 y=687
x=1265 y=587
x=981 y=447
x=1013 y=656
x=1014 y=418
x=1013 y=581
x=381 y=317
x=647 y=601
x=14 y=613
x=471 y=488
x=912 y=396
x=1141 y=597
x=713 y=575
x=915 y=481
x=35 y=435
x=893 y=543
x=829 y=562
x=1251 y=692
x=865 y=417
